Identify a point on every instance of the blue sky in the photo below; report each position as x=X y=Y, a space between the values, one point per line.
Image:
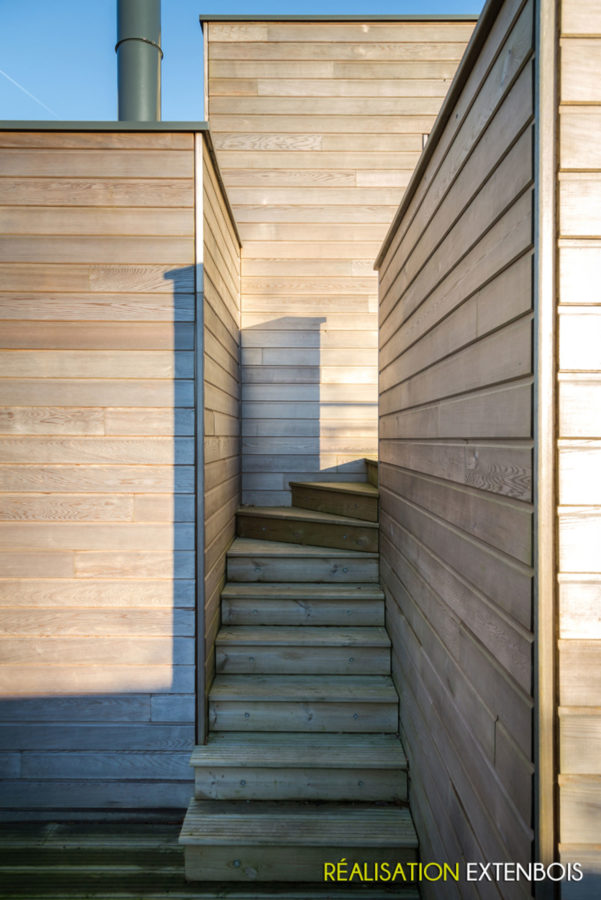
x=57 y=58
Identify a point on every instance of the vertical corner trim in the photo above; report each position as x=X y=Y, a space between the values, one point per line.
x=201 y=700
x=545 y=417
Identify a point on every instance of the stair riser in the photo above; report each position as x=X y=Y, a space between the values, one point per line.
x=303 y=716
x=218 y=863
x=372 y=472
x=369 y=785
x=302 y=612
x=328 y=570
x=336 y=502
x=303 y=660
x=314 y=534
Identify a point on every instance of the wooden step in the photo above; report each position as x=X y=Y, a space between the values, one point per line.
x=294 y=604
x=254 y=560
x=338 y=703
x=298 y=649
x=305 y=526
x=288 y=766
x=372 y=470
x=357 y=500
x=238 y=841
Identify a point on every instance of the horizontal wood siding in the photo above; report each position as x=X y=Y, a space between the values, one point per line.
x=455 y=466
x=97 y=513
x=221 y=336
x=579 y=446
x=317 y=128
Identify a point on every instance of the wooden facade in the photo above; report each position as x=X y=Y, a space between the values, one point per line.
x=579 y=435
x=102 y=335
x=126 y=300
x=456 y=437
x=317 y=128
x=221 y=387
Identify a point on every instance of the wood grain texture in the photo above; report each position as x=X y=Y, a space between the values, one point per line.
x=221 y=402
x=461 y=648
x=317 y=128
x=96 y=486
x=579 y=397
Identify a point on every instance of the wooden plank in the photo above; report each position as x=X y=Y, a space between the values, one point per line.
x=25 y=681
x=88 y=536
x=292 y=51
x=97 y=163
x=85 y=221
x=499 y=469
x=580 y=740
x=84 y=306
x=160 y=364
x=323 y=124
x=339 y=32
x=504 y=355
x=133 y=564
x=578 y=460
x=138 y=451
x=103 y=392
x=579 y=408
x=28 y=335
x=106 y=765
x=581 y=17
x=580 y=807
x=98 y=140
x=105 y=278
x=272 y=86
x=579 y=199
x=579 y=535
x=579 y=607
x=579 y=672
x=577 y=128
x=96 y=248
x=577 y=265
x=580 y=59
x=117 y=192
x=89 y=622
x=142 y=651
x=97 y=478
x=47 y=593
x=314 y=106
x=65 y=507
x=505 y=525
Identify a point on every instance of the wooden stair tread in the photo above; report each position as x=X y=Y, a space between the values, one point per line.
x=293 y=591
x=360 y=488
x=291 y=513
x=279 y=549
x=303 y=688
x=300 y=749
x=290 y=824
x=303 y=635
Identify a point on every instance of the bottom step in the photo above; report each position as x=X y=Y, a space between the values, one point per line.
x=238 y=841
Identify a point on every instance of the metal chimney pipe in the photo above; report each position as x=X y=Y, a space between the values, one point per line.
x=139 y=57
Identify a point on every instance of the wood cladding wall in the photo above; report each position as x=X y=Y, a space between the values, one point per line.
x=317 y=128
x=221 y=386
x=97 y=502
x=579 y=445
x=456 y=427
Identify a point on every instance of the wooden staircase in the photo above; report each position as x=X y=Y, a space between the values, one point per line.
x=302 y=765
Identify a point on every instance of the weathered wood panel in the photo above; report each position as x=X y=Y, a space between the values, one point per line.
x=221 y=404
x=318 y=127
x=579 y=365
x=456 y=306
x=97 y=489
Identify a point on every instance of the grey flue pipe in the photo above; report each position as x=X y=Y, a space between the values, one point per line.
x=139 y=57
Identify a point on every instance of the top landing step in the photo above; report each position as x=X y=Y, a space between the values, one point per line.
x=354 y=499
